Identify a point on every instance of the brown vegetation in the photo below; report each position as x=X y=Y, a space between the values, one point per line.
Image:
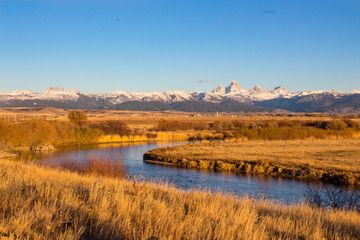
x=332 y=160
x=34 y=134
x=267 y=129
x=39 y=132
x=114 y=168
x=112 y=127
x=77 y=116
x=38 y=203
x=331 y=197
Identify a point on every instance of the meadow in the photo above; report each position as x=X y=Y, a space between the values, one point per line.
x=40 y=203
x=27 y=128
x=99 y=200
x=241 y=144
x=35 y=134
x=326 y=160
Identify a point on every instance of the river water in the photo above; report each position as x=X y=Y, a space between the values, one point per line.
x=285 y=190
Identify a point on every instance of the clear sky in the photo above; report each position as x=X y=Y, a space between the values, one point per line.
x=192 y=45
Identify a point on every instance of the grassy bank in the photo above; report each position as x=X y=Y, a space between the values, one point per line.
x=332 y=160
x=268 y=129
x=39 y=203
x=159 y=136
x=37 y=133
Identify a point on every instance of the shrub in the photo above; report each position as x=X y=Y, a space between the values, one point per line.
x=216 y=125
x=87 y=135
x=112 y=127
x=77 y=116
x=268 y=129
x=352 y=124
x=333 y=198
x=336 y=125
x=165 y=125
x=203 y=164
x=99 y=167
x=201 y=126
x=41 y=132
x=151 y=135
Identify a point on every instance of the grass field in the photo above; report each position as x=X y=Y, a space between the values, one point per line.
x=42 y=203
x=39 y=203
x=327 y=160
x=149 y=119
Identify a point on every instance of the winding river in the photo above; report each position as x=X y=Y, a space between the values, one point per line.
x=285 y=190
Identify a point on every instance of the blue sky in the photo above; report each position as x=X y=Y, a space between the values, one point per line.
x=159 y=45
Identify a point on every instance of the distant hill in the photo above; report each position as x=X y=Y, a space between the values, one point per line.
x=232 y=98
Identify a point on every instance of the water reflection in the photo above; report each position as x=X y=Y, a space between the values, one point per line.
x=286 y=190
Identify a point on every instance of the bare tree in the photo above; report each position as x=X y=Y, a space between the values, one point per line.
x=334 y=197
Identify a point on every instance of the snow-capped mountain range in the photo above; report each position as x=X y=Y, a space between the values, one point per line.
x=255 y=99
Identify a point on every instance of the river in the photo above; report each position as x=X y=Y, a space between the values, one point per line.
x=284 y=190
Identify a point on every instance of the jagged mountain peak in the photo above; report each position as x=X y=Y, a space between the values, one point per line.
x=59 y=90
x=233 y=87
x=56 y=89
x=277 y=98
x=256 y=89
x=280 y=90
x=219 y=89
x=279 y=87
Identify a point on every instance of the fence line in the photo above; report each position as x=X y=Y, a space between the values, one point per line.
x=24 y=117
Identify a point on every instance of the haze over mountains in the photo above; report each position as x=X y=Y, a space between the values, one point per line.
x=232 y=98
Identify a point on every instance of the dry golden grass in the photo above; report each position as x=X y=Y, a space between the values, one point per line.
x=149 y=119
x=302 y=159
x=6 y=155
x=38 y=203
x=330 y=153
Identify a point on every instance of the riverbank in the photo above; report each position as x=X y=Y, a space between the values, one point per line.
x=38 y=133
x=6 y=155
x=326 y=160
x=40 y=203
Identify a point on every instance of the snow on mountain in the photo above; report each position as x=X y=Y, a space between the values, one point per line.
x=117 y=93
x=355 y=91
x=114 y=97
x=219 y=94
x=234 y=87
x=179 y=96
x=256 y=90
x=280 y=91
x=58 y=93
x=20 y=92
x=219 y=89
x=211 y=97
x=257 y=93
x=151 y=97
x=168 y=96
x=53 y=93
x=305 y=93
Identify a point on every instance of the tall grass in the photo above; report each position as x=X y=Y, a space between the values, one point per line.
x=105 y=167
x=331 y=160
x=38 y=203
x=112 y=127
x=34 y=133
x=266 y=129
x=40 y=132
